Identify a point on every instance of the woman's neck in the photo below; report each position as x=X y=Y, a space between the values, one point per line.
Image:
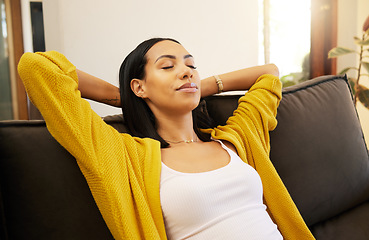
x=176 y=128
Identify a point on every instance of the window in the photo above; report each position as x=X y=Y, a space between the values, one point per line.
x=284 y=37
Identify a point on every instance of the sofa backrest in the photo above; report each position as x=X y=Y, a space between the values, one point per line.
x=317 y=148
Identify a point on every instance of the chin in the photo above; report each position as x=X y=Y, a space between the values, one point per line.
x=195 y=105
x=187 y=106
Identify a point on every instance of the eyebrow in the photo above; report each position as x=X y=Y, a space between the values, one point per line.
x=173 y=57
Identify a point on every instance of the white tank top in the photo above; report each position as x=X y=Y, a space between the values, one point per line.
x=225 y=203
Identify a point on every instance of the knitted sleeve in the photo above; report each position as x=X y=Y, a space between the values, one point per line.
x=52 y=85
x=120 y=170
x=254 y=117
x=257 y=110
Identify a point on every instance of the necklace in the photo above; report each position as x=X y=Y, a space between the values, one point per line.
x=183 y=141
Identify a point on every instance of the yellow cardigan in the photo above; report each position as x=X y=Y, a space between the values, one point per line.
x=123 y=172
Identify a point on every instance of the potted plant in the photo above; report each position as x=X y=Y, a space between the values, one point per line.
x=360 y=92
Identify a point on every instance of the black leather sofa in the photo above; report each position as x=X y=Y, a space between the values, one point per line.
x=317 y=148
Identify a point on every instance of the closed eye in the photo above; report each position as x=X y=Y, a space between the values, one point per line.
x=169 y=67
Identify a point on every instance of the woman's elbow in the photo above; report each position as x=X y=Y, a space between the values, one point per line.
x=273 y=69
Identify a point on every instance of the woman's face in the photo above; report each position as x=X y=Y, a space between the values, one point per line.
x=172 y=83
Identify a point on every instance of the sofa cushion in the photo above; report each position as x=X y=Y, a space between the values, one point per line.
x=352 y=225
x=44 y=194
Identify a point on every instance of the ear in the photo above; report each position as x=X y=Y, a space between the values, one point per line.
x=137 y=86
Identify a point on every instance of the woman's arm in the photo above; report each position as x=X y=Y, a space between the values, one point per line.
x=237 y=80
x=110 y=161
x=96 y=89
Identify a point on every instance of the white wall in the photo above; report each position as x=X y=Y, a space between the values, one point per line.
x=96 y=35
x=351 y=17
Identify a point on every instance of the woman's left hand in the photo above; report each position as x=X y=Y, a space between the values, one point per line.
x=237 y=80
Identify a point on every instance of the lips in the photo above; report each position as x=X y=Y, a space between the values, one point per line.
x=188 y=87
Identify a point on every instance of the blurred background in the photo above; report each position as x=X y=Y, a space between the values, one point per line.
x=96 y=35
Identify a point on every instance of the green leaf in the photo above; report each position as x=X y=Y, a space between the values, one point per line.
x=288 y=83
x=363 y=95
x=339 y=51
x=345 y=70
x=288 y=80
x=360 y=42
x=365 y=65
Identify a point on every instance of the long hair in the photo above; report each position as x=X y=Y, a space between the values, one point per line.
x=138 y=116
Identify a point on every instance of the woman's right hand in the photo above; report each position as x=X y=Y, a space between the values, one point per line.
x=96 y=89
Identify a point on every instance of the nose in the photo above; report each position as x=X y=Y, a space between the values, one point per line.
x=186 y=73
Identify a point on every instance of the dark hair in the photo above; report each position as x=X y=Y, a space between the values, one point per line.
x=138 y=116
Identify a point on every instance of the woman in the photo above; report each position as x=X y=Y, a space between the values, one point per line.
x=168 y=178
